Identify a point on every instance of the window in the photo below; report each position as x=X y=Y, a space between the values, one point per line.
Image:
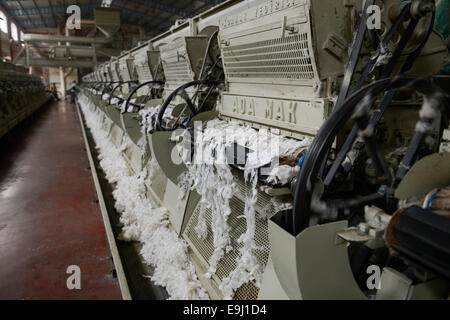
x=106 y=3
x=14 y=32
x=3 y=23
x=21 y=35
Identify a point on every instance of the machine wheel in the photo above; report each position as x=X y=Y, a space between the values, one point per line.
x=311 y=193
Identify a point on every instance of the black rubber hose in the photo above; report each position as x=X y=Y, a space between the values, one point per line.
x=174 y=94
x=354 y=56
x=105 y=87
x=324 y=140
x=208 y=47
x=386 y=101
x=137 y=88
x=112 y=91
x=98 y=85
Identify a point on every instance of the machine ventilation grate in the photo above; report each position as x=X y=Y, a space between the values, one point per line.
x=115 y=72
x=177 y=68
x=143 y=71
x=263 y=201
x=123 y=70
x=282 y=58
x=247 y=292
x=142 y=66
x=178 y=72
x=229 y=262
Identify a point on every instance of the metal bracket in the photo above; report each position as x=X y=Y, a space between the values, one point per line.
x=285 y=27
x=335 y=45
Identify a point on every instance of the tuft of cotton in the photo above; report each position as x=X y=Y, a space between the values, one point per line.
x=214 y=181
x=282 y=174
x=211 y=177
x=146 y=126
x=429 y=112
x=123 y=107
x=384 y=56
x=141 y=221
x=317 y=90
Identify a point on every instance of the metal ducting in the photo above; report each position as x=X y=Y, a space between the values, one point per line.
x=83 y=52
x=107 y=20
x=54 y=38
x=41 y=62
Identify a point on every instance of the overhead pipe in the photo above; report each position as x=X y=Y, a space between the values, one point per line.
x=38 y=51
x=53 y=38
x=41 y=62
x=84 y=52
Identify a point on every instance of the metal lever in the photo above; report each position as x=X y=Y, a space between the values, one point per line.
x=285 y=27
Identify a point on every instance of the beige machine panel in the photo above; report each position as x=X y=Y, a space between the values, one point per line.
x=125 y=68
x=114 y=71
x=271 y=71
x=145 y=63
x=106 y=72
x=291 y=118
x=181 y=59
x=272 y=59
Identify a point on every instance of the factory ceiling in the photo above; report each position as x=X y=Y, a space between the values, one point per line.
x=154 y=16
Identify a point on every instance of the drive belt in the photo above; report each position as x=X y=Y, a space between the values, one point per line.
x=387 y=99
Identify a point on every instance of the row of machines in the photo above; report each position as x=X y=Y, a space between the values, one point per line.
x=20 y=94
x=361 y=112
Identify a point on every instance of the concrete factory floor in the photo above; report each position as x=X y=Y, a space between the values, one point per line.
x=48 y=219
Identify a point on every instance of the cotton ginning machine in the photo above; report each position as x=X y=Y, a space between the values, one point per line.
x=334 y=140
x=21 y=94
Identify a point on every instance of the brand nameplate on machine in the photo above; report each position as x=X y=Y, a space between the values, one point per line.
x=294 y=115
x=262 y=10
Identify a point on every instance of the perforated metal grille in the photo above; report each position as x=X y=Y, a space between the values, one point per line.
x=123 y=70
x=114 y=72
x=247 y=292
x=142 y=66
x=263 y=201
x=177 y=68
x=178 y=72
x=238 y=227
x=143 y=71
x=282 y=58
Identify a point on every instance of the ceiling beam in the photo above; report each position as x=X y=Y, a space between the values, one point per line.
x=45 y=10
x=153 y=21
x=20 y=5
x=40 y=13
x=207 y=4
x=158 y=5
x=53 y=12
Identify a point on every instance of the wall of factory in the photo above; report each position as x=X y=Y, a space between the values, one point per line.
x=5 y=35
x=4 y=45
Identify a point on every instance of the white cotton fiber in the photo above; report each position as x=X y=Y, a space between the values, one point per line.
x=211 y=177
x=141 y=221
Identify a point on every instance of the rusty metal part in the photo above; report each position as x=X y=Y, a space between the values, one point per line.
x=293 y=159
x=441 y=204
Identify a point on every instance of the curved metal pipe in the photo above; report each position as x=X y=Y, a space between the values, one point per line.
x=137 y=88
